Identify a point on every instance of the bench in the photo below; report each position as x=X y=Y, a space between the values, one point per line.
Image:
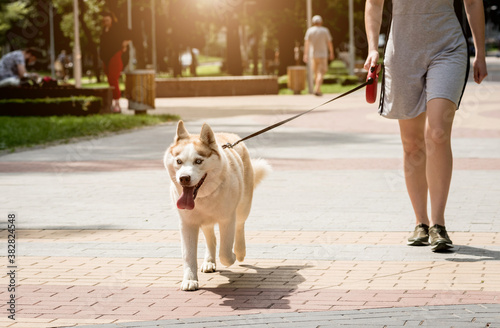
x=216 y=86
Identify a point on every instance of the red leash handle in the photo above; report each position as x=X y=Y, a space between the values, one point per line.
x=371 y=89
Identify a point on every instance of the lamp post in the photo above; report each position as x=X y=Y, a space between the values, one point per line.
x=131 y=46
x=77 y=54
x=352 y=56
x=52 y=50
x=309 y=66
x=153 y=33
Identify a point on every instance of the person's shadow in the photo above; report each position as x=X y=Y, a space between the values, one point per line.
x=252 y=294
x=473 y=254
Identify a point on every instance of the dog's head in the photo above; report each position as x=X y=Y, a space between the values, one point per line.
x=190 y=159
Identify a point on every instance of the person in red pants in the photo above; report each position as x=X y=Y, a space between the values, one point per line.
x=114 y=42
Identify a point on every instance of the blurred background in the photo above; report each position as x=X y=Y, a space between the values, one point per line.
x=191 y=37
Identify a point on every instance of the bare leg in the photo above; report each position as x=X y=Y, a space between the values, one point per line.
x=440 y=114
x=412 y=137
x=318 y=82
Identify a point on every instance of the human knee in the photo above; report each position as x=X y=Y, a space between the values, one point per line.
x=413 y=147
x=436 y=136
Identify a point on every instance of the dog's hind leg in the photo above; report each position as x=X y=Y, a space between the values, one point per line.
x=242 y=211
x=189 y=238
x=209 y=262
x=227 y=230
x=239 y=241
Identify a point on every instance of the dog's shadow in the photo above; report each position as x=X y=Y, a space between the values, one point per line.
x=259 y=287
x=473 y=254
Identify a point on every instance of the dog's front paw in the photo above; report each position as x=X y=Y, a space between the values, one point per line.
x=208 y=267
x=189 y=285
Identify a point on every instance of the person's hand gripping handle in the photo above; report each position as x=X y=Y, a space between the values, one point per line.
x=371 y=89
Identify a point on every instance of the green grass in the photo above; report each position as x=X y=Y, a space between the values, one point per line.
x=209 y=70
x=336 y=71
x=55 y=100
x=94 y=85
x=18 y=132
x=325 y=88
x=209 y=59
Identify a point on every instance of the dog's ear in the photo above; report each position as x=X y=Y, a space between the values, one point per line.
x=207 y=136
x=182 y=133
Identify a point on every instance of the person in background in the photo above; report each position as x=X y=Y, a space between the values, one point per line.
x=114 y=42
x=61 y=65
x=13 y=66
x=320 y=40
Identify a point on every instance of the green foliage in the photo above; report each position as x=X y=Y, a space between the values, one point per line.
x=325 y=88
x=336 y=80
x=10 y=13
x=29 y=131
x=90 y=16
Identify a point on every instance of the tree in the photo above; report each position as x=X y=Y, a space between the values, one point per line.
x=182 y=25
x=90 y=26
x=233 y=60
x=10 y=13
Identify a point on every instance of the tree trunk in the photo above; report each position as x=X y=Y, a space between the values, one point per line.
x=91 y=47
x=234 y=63
x=255 y=53
x=286 y=41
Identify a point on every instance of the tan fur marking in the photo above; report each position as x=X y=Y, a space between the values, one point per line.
x=199 y=146
x=204 y=150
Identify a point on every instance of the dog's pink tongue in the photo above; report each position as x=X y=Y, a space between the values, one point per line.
x=186 y=201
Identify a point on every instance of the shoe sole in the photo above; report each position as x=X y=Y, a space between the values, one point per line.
x=441 y=247
x=418 y=243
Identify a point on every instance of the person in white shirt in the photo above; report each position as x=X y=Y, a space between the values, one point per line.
x=13 y=66
x=319 y=39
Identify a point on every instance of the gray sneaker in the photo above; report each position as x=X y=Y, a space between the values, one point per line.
x=420 y=236
x=439 y=238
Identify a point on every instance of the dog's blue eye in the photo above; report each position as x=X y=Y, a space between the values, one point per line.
x=179 y=162
x=198 y=161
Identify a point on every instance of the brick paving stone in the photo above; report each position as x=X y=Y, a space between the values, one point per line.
x=443 y=316
x=336 y=242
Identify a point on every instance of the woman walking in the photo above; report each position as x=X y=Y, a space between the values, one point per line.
x=114 y=42
x=425 y=72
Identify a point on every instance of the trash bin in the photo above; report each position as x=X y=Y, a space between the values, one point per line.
x=296 y=78
x=140 y=90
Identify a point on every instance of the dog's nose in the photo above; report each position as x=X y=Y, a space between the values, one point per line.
x=185 y=179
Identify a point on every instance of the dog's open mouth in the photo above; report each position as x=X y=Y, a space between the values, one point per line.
x=186 y=201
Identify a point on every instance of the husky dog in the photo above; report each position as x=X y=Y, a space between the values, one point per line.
x=211 y=185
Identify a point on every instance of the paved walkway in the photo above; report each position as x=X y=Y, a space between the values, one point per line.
x=98 y=245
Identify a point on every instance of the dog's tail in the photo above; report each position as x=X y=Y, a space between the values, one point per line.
x=261 y=169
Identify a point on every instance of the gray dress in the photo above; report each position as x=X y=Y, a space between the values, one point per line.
x=425 y=57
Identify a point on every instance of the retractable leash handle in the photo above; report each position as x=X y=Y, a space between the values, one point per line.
x=371 y=88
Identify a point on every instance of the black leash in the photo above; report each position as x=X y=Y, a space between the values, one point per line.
x=229 y=145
